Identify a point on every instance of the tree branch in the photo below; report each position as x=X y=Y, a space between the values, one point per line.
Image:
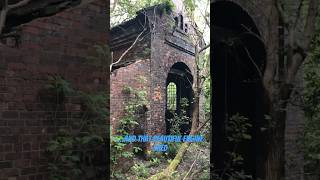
x=254 y=63
x=298 y=13
x=114 y=5
x=6 y=8
x=282 y=13
x=204 y=48
x=185 y=177
x=309 y=32
x=310 y=27
x=132 y=45
x=249 y=31
x=3 y=15
x=19 y=4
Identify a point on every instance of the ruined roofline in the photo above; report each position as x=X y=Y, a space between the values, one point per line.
x=124 y=33
x=37 y=9
x=139 y=13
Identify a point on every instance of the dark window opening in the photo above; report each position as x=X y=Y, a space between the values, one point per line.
x=186 y=28
x=181 y=22
x=176 y=21
x=179 y=97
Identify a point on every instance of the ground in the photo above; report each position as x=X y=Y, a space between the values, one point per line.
x=197 y=154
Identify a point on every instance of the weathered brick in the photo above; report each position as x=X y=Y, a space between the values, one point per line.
x=5 y=164
x=48 y=46
x=10 y=115
x=22 y=163
x=27 y=171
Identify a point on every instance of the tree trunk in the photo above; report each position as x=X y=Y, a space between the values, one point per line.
x=275 y=154
x=197 y=86
x=195 y=113
x=275 y=157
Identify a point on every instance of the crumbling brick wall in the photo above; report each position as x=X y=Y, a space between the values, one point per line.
x=57 y=44
x=128 y=77
x=166 y=49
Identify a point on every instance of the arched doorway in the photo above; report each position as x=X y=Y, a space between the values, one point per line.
x=237 y=69
x=179 y=97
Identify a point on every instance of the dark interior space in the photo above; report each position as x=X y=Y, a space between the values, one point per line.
x=237 y=70
x=181 y=76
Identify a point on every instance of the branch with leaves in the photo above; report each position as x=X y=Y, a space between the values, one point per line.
x=6 y=8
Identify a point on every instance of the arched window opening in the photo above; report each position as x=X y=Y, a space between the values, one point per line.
x=176 y=21
x=186 y=28
x=172 y=96
x=181 y=22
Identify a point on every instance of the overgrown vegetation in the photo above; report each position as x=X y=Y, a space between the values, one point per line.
x=311 y=138
x=124 y=10
x=135 y=108
x=237 y=131
x=178 y=120
x=75 y=149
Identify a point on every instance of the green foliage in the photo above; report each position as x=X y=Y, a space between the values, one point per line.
x=140 y=170
x=190 y=6
x=311 y=139
x=72 y=151
x=101 y=57
x=237 y=132
x=237 y=129
x=180 y=119
x=172 y=149
x=126 y=9
x=176 y=122
x=134 y=109
x=155 y=162
x=59 y=87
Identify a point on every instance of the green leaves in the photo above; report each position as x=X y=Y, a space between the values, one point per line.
x=59 y=85
x=133 y=110
x=237 y=129
x=190 y=6
x=126 y=9
x=140 y=170
x=72 y=150
x=311 y=136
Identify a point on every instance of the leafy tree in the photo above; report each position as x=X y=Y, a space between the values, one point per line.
x=122 y=10
x=311 y=138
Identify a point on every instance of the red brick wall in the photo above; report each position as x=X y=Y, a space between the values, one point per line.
x=163 y=57
x=127 y=76
x=58 y=44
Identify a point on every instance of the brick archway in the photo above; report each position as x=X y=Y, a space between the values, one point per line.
x=238 y=62
x=255 y=10
x=180 y=75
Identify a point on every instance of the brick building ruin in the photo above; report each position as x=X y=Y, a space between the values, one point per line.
x=164 y=57
x=233 y=69
x=40 y=39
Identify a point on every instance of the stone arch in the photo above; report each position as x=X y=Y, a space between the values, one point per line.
x=238 y=62
x=180 y=74
x=254 y=10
